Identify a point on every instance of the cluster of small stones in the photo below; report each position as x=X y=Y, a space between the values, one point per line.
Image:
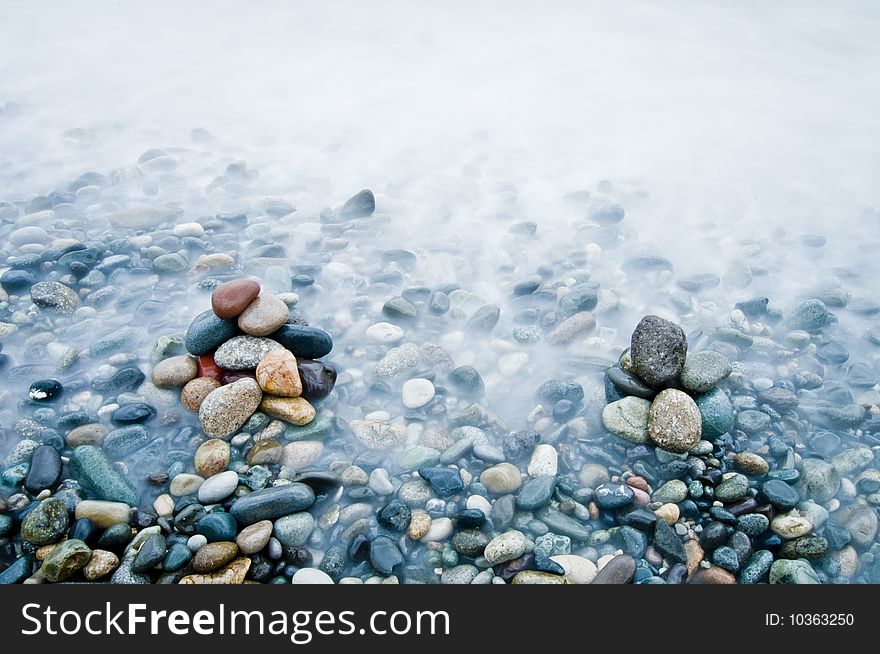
x=237 y=455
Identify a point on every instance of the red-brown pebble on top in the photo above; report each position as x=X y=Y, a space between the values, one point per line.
x=231 y=298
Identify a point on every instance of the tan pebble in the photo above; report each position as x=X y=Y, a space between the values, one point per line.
x=253 y=538
x=164 y=505
x=211 y=457
x=102 y=513
x=419 y=525
x=174 y=371
x=234 y=573
x=214 y=555
x=265 y=452
x=295 y=410
x=669 y=513
x=91 y=434
x=694 y=554
x=196 y=390
x=277 y=374
x=100 y=564
x=713 y=575
x=185 y=484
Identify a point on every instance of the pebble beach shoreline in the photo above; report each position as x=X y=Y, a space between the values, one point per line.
x=206 y=383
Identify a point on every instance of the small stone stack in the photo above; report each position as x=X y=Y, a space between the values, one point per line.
x=246 y=356
x=659 y=393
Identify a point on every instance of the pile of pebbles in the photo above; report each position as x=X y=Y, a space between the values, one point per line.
x=350 y=411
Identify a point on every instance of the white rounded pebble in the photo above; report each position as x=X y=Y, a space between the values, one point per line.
x=578 y=570
x=310 y=576
x=197 y=542
x=218 y=487
x=479 y=502
x=417 y=393
x=380 y=483
x=384 y=332
x=188 y=229
x=440 y=529
x=544 y=461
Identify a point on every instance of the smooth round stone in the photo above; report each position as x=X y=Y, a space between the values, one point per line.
x=211 y=457
x=751 y=464
x=295 y=410
x=170 y=263
x=17 y=281
x=46 y=523
x=230 y=299
x=570 y=328
x=791 y=525
x=308 y=576
x=45 y=390
x=304 y=341
x=577 y=569
x=628 y=418
x=244 y=352
x=254 y=538
x=536 y=492
x=673 y=491
x=501 y=479
x=185 y=484
x=45 y=470
x=134 y=413
x=214 y=555
x=207 y=332
x=103 y=514
x=506 y=547
x=264 y=315
x=753 y=524
x=272 y=503
x=544 y=461
x=703 y=370
x=227 y=408
x=780 y=494
x=54 y=296
x=217 y=526
x=416 y=393
x=516 y=445
x=218 y=487
x=674 y=421
x=658 y=349
x=732 y=489
x=294 y=530
x=277 y=374
x=614 y=495
x=784 y=571
x=174 y=371
x=299 y=455
x=194 y=392
x=384 y=332
x=819 y=480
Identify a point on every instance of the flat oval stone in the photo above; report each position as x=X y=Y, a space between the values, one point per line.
x=194 y=392
x=703 y=370
x=263 y=315
x=227 y=408
x=295 y=410
x=214 y=555
x=244 y=352
x=46 y=523
x=218 y=487
x=304 y=341
x=272 y=503
x=45 y=470
x=230 y=299
x=628 y=418
x=174 y=371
